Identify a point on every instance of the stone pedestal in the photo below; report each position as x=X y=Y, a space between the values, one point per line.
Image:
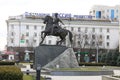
x=50 y=56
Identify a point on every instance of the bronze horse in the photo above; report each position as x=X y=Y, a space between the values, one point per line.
x=62 y=33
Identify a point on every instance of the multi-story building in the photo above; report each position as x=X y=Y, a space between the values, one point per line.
x=106 y=12
x=24 y=33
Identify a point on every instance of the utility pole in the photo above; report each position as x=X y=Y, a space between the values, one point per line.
x=97 y=53
x=119 y=33
x=97 y=47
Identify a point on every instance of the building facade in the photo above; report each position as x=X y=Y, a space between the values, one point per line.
x=24 y=33
x=106 y=12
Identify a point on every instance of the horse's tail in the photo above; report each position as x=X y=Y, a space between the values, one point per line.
x=70 y=37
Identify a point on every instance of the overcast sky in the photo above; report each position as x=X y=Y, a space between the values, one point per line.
x=17 y=7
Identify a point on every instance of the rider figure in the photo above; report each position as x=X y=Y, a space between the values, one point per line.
x=56 y=23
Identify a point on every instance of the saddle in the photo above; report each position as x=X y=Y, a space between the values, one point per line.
x=56 y=29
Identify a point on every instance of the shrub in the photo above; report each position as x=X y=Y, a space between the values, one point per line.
x=7 y=63
x=108 y=58
x=118 y=61
x=103 y=58
x=10 y=73
x=92 y=64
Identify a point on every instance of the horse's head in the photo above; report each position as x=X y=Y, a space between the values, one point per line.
x=48 y=19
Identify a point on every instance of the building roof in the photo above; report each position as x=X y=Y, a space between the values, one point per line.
x=70 y=21
x=8 y=52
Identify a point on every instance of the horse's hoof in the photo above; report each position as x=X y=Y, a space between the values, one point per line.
x=40 y=44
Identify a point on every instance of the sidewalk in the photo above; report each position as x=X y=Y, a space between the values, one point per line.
x=74 y=77
x=27 y=67
x=116 y=72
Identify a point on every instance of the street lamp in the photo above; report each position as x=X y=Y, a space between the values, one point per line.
x=97 y=53
x=78 y=54
x=119 y=33
x=38 y=72
x=17 y=57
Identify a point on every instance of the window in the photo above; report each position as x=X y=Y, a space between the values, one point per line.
x=86 y=29
x=79 y=36
x=93 y=36
x=86 y=42
x=93 y=43
x=49 y=42
x=103 y=11
x=93 y=29
x=27 y=26
x=117 y=17
x=35 y=27
x=42 y=27
x=100 y=36
x=12 y=26
x=27 y=41
x=22 y=37
x=117 y=11
x=72 y=29
x=35 y=34
x=112 y=16
x=27 y=34
x=79 y=29
x=86 y=36
x=93 y=11
x=12 y=40
x=108 y=37
x=12 y=34
x=34 y=41
x=107 y=10
x=108 y=44
x=78 y=42
x=98 y=14
x=100 y=43
x=108 y=30
x=100 y=29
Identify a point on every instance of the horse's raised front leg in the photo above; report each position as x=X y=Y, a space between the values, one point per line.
x=42 y=34
x=60 y=42
x=41 y=41
x=42 y=37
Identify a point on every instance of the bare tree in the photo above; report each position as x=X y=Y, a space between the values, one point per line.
x=96 y=43
x=83 y=40
x=89 y=40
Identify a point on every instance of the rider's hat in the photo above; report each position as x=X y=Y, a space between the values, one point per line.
x=56 y=14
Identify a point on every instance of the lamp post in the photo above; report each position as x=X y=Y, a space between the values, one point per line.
x=78 y=55
x=17 y=58
x=19 y=23
x=119 y=32
x=97 y=47
x=97 y=54
x=38 y=72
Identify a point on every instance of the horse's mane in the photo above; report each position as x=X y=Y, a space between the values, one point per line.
x=49 y=16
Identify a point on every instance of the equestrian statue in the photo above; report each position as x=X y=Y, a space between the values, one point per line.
x=53 y=28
